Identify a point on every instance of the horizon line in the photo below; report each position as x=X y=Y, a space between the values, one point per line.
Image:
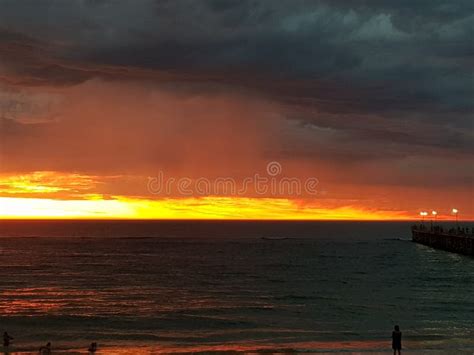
x=112 y=219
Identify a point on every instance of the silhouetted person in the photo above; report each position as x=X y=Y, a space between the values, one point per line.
x=6 y=339
x=397 y=340
x=45 y=350
x=92 y=348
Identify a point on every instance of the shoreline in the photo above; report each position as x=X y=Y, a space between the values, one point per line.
x=318 y=347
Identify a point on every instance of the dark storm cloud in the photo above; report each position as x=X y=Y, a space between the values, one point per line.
x=372 y=70
x=420 y=49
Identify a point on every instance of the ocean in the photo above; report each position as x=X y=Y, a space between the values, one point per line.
x=198 y=287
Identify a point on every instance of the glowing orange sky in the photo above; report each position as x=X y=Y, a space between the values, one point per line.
x=88 y=150
x=43 y=195
x=191 y=208
x=89 y=113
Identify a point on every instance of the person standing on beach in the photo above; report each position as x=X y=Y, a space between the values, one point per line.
x=92 y=348
x=46 y=349
x=397 y=340
x=6 y=339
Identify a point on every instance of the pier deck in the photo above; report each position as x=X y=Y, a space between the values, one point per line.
x=456 y=241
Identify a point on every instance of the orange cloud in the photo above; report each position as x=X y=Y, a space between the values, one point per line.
x=46 y=182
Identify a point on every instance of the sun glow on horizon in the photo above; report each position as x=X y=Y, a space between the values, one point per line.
x=188 y=208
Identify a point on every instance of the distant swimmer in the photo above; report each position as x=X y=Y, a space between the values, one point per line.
x=6 y=339
x=397 y=340
x=46 y=349
x=92 y=348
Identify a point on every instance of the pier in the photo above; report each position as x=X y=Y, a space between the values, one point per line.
x=455 y=240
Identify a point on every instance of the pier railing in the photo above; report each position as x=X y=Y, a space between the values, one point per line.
x=456 y=240
x=437 y=229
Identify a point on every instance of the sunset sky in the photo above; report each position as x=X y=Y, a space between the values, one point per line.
x=370 y=100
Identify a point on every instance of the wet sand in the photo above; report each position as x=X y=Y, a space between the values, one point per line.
x=345 y=347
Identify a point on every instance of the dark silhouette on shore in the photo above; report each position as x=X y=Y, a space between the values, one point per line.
x=6 y=339
x=92 y=348
x=397 y=340
x=46 y=349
